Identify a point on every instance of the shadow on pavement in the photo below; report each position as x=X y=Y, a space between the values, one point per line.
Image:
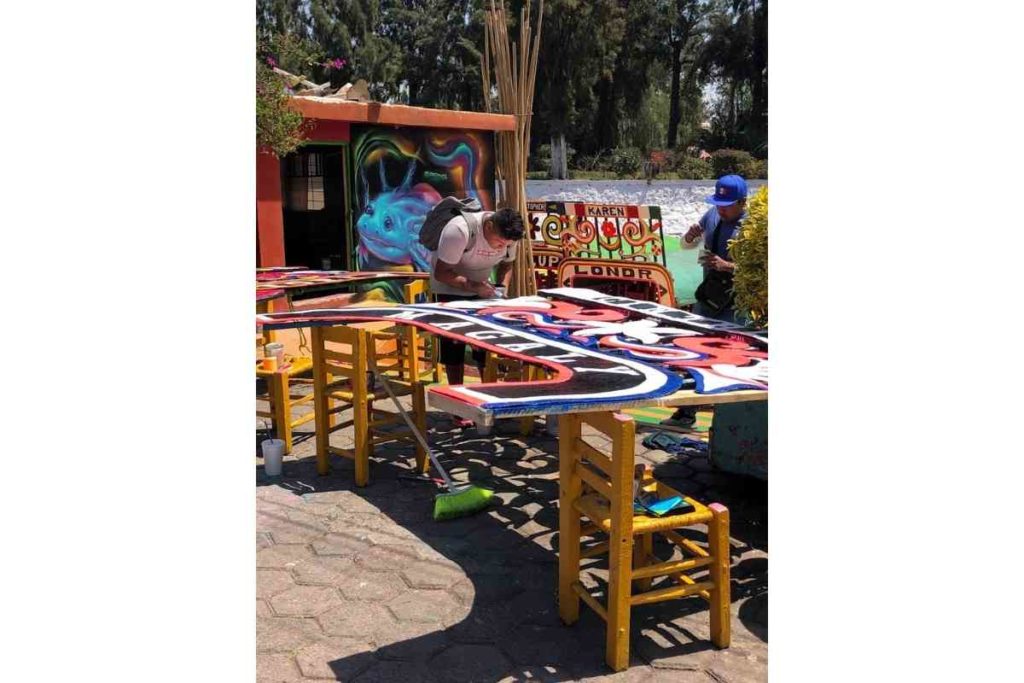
x=501 y=564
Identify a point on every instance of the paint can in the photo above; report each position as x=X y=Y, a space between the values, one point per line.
x=273 y=454
x=275 y=349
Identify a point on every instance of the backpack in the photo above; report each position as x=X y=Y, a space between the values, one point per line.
x=438 y=217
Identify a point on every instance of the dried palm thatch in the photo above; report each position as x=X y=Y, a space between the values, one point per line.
x=515 y=72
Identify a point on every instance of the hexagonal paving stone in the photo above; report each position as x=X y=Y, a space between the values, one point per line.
x=427 y=606
x=282 y=556
x=374 y=586
x=691 y=676
x=432 y=575
x=381 y=524
x=460 y=663
x=347 y=544
x=296 y=533
x=391 y=672
x=487 y=625
x=487 y=588
x=409 y=640
x=305 y=601
x=638 y=672
x=667 y=646
x=274 y=495
x=284 y=634
x=270 y=582
x=276 y=668
x=335 y=658
x=384 y=558
x=326 y=570
x=263 y=540
x=539 y=645
x=537 y=674
x=355 y=619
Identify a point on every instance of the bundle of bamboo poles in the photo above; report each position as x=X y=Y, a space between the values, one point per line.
x=515 y=71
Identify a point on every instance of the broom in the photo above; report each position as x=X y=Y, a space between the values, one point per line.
x=459 y=501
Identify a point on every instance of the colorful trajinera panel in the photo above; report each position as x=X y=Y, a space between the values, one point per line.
x=604 y=231
x=400 y=174
x=275 y=282
x=646 y=281
x=602 y=352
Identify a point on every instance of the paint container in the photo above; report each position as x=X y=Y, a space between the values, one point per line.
x=270 y=363
x=275 y=349
x=273 y=454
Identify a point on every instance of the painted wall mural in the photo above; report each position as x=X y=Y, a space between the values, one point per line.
x=602 y=351
x=604 y=231
x=400 y=174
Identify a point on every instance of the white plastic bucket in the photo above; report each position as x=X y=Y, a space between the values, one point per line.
x=273 y=453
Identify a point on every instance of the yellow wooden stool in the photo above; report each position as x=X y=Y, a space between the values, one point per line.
x=599 y=488
x=282 y=400
x=342 y=375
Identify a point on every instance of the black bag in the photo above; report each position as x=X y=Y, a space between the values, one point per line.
x=715 y=291
x=438 y=217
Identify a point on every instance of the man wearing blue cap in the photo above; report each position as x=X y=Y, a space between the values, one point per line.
x=714 y=294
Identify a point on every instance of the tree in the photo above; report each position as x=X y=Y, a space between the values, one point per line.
x=344 y=31
x=736 y=60
x=579 y=44
x=622 y=95
x=687 y=18
x=440 y=43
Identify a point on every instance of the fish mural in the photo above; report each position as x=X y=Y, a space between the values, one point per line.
x=389 y=226
x=433 y=164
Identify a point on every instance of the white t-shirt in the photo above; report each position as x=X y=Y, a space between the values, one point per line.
x=474 y=262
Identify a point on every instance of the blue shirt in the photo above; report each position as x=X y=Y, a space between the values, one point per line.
x=709 y=221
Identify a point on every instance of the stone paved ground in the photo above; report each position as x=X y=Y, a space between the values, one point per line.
x=362 y=585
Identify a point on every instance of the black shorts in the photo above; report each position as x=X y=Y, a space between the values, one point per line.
x=451 y=352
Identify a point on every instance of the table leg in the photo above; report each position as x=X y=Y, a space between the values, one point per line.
x=569 y=487
x=718 y=542
x=321 y=405
x=620 y=544
x=279 y=396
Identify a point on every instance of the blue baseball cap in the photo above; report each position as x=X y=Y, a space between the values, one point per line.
x=728 y=190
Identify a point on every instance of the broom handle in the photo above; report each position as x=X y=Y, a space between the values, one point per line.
x=416 y=432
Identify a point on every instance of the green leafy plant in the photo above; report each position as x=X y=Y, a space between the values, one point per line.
x=691 y=167
x=279 y=127
x=749 y=251
x=626 y=161
x=728 y=161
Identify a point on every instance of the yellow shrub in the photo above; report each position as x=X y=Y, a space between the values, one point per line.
x=749 y=252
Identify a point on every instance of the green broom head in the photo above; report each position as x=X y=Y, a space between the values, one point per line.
x=461 y=503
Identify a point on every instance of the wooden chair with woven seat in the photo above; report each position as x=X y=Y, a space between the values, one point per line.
x=343 y=358
x=418 y=292
x=599 y=489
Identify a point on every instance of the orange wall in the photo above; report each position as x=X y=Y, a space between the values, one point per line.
x=269 y=210
x=269 y=216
